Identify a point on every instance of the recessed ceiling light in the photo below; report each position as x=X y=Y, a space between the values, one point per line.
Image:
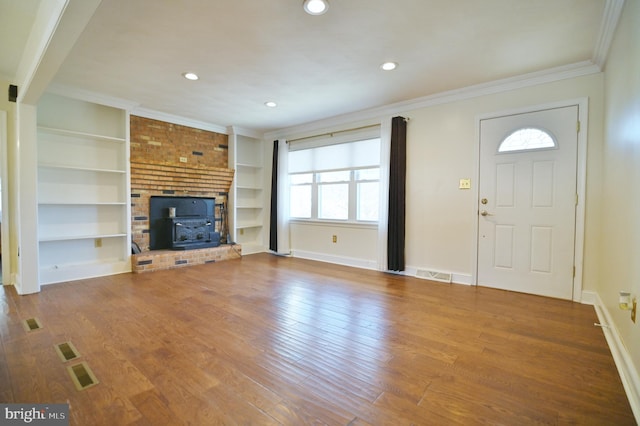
x=190 y=75
x=388 y=66
x=315 y=7
x=271 y=104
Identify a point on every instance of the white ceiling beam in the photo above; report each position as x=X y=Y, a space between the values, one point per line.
x=56 y=28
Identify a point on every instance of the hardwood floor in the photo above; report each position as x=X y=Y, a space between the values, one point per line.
x=272 y=340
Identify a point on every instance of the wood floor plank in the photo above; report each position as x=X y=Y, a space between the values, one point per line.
x=154 y=409
x=272 y=340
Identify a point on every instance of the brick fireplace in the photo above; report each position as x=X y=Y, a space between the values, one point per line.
x=171 y=160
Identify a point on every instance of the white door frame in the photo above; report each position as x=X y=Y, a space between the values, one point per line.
x=581 y=180
x=4 y=241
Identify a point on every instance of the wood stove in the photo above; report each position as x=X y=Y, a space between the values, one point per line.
x=192 y=232
x=182 y=223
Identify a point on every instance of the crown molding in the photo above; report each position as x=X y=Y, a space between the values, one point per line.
x=176 y=119
x=507 y=84
x=88 y=96
x=610 y=18
x=235 y=130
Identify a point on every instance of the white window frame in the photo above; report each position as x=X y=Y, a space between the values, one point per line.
x=526 y=148
x=353 y=196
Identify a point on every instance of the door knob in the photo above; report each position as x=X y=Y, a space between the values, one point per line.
x=484 y=213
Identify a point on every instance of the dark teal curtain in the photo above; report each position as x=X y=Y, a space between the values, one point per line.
x=397 y=195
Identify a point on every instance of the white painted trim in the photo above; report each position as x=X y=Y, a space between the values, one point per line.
x=461 y=279
x=610 y=18
x=456 y=278
x=339 y=260
x=474 y=207
x=6 y=249
x=581 y=181
x=27 y=212
x=589 y=297
x=58 y=25
x=622 y=358
x=235 y=130
x=46 y=23
x=512 y=83
x=176 y=119
x=92 y=97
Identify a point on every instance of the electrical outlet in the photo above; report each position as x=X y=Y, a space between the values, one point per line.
x=335 y=238
x=465 y=184
x=183 y=159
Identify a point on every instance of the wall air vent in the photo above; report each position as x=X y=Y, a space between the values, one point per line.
x=444 y=277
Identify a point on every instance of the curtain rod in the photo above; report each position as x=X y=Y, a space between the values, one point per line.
x=338 y=132
x=333 y=133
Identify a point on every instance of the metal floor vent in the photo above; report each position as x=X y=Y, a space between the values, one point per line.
x=82 y=376
x=32 y=324
x=444 y=277
x=66 y=351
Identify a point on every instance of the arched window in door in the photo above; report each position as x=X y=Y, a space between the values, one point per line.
x=527 y=139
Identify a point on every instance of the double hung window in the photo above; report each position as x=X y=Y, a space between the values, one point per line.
x=335 y=182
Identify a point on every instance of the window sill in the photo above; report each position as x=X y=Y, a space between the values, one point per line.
x=335 y=223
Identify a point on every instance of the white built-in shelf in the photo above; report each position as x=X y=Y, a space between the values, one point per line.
x=248 y=206
x=79 y=168
x=80 y=203
x=82 y=135
x=248 y=225
x=246 y=156
x=80 y=237
x=84 y=227
x=249 y=188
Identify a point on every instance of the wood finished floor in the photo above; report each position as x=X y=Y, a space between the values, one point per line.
x=271 y=340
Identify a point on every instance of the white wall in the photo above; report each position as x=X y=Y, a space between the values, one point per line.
x=620 y=240
x=441 y=146
x=354 y=246
x=442 y=142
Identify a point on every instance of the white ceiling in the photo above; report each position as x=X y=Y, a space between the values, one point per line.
x=247 y=52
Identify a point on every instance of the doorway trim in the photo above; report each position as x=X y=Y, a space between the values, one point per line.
x=581 y=181
x=4 y=180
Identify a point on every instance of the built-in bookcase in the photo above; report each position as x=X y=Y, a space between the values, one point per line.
x=83 y=190
x=247 y=192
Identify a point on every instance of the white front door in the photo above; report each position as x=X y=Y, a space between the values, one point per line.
x=527 y=202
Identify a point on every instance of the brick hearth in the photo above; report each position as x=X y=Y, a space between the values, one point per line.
x=156 y=260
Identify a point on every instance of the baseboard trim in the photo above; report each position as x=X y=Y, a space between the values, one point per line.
x=455 y=277
x=588 y=297
x=409 y=271
x=622 y=358
x=339 y=260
